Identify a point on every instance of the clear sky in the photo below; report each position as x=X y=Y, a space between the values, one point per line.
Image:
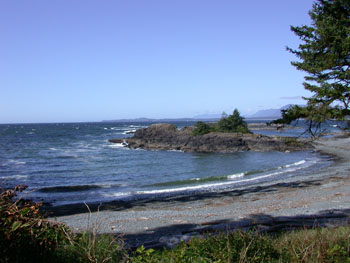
x=83 y=60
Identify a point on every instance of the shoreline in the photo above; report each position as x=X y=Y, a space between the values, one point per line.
x=149 y=222
x=165 y=136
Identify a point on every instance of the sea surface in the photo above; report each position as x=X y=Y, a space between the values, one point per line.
x=66 y=163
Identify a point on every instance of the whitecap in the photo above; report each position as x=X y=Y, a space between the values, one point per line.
x=296 y=163
x=293 y=164
x=18 y=176
x=233 y=176
x=118 y=194
x=117 y=145
x=195 y=179
x=205 y=186
x=129 y=132
x=218 y=185
x=16 y=162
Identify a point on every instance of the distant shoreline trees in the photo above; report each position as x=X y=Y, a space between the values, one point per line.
x=231 y=123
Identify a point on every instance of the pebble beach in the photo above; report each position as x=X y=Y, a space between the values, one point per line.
x=327 y=189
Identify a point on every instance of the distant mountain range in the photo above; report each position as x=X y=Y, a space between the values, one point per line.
x=270 y=113
x=262 y=114
x=150 y=120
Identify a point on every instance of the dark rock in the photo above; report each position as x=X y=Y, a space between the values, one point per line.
x=116 y=140
x=168 y=137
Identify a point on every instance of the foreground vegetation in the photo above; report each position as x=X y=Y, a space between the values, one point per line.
x=25 y=236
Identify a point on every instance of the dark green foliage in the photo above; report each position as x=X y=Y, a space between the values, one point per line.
x=202 y=128
x=324 y=55
x=314 y=117
x=25 y=236
x=227 y=123
x=316 y=245
x=232 y=123
x=234 y=247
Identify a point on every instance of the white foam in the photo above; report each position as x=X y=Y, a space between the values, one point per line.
x=16 y=162
x=119 y=194
x=117 y=145
x=18 y=176
x=292 y=168
x=205 y=186
x=295 y=164
x=129 y=132
x=233 y=176
x=195 y=179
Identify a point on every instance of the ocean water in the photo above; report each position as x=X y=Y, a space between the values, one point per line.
x=68 y=163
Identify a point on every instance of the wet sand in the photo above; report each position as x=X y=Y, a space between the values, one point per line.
x=142 y=222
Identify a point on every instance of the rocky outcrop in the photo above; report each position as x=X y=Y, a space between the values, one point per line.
x=168 y=137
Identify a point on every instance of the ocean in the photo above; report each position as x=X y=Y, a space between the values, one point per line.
x=66 y=163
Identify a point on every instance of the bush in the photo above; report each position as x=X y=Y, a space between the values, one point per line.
x=25 y=236
x=232 y=123
x=90 y=247
x=234 y=247
x=201 y=128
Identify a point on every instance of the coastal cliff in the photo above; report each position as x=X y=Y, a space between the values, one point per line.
x=168 y=137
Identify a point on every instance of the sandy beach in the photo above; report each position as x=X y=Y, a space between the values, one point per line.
x=145 y=222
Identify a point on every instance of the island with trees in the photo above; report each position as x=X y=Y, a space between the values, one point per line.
x=229 y=134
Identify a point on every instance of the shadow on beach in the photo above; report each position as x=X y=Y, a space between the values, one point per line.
x=261 y=223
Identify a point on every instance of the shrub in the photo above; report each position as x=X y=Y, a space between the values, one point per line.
x=25 y=236
x=89 y=246
x=234 y=247
x=290 y=141
x=232 y=123
x=201 y=128
x=315 y=245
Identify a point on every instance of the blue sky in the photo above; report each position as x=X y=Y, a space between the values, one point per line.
x=66 y=61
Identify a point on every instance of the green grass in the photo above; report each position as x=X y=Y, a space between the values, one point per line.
x=316 y=245
x=25 y=236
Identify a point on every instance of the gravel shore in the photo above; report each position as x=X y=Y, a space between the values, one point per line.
x=325 y=189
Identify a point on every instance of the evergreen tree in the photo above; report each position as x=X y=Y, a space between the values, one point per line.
x=324 y=55
x=227 y=123
x=232 y=123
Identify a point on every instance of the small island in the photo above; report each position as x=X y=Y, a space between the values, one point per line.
x=230 y=134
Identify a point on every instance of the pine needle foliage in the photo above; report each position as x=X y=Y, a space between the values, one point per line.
x=324 y=55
